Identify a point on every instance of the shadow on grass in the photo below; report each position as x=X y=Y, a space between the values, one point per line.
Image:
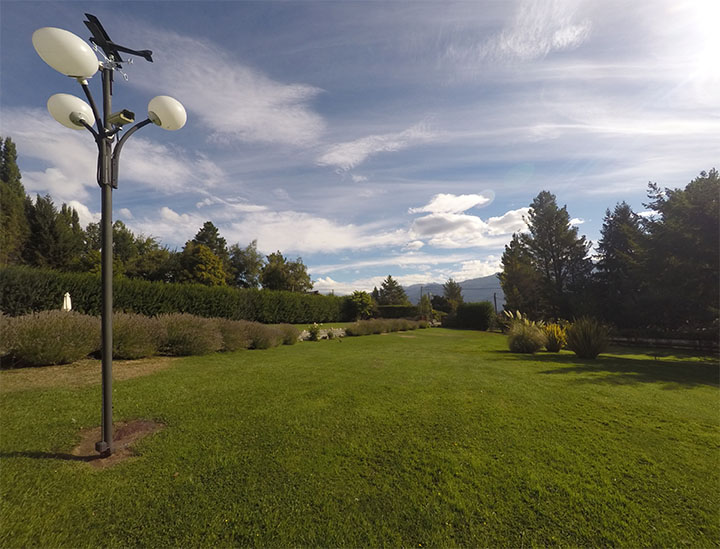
x=49 y=455
x=618 y=370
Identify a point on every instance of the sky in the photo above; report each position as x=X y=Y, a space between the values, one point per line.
x=377 y=138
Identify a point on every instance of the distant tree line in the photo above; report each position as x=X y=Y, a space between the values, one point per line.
x=656 y=271
x=36 y=234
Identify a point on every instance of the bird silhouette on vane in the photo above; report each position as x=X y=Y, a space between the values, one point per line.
x=112 y=50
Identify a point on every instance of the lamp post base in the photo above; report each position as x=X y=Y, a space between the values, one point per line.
x=102 y=447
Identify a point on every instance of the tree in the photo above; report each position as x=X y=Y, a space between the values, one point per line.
x=519 y=279
x=619 y=268
x=425 y=307
x=246 y=265
x=281 y=274
x=558 y=255
x=452 y=291
x=360 y=305
x=391 y=293
x=683 y=263
x=199 y=265
x=14 y=228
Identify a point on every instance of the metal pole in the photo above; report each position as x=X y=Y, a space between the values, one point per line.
x=105 y=445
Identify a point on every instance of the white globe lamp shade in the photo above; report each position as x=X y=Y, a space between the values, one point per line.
x=65 y=52
x=166 y=112
x=70 y=111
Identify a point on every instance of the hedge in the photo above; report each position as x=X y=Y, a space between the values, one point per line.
x=24 y=290
x=397 y=311
x=474 y=316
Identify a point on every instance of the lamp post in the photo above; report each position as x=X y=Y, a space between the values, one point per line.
x=73 y=57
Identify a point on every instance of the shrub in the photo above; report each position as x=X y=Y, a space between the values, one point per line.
x=397 y=311
x=314 y=332
x=136 y=336
x=587 y=337
x=380 y=326
x=289 y=334
x=474 y=316
x=556 y=337
x=6 y=334
x=526 y=337
x=235 y=334
x=190 y=335
x=54 y=337
x=264 y=336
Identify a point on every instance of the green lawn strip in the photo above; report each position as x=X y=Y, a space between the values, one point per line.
x=444 y=438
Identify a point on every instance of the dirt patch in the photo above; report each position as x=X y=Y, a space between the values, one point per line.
x=407 y=336
x=124 y=436
x=79 y=374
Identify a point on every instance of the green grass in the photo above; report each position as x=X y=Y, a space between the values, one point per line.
x=430 y=438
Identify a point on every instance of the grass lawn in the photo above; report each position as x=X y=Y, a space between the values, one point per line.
x=425 y=438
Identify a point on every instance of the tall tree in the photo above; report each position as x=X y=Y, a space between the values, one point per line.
x=619 y=268
x=391 y=293
x=14 y=228
x=682 y=270
x=246 y=265
x=281 y=274
x=556 y=254
x=519 y=279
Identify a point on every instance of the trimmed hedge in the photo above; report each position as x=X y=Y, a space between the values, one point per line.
x=397 y=311
x=474 y=316
x=25 y=290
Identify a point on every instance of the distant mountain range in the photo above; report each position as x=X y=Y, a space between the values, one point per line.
x=473 y=290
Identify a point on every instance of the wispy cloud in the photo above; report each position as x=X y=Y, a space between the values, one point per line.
x=232 y=100
x=347 y=155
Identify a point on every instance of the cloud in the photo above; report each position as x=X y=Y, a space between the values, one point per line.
x=457 y=230
x=350 y=154
x=451 y=203
x=126 y=213
x=477 y=268
x=232 y=100
x=84 y=213
x=576 y=221
x=358 y=178
x=538 y=28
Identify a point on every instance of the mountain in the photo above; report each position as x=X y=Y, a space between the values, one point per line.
x=473 y=290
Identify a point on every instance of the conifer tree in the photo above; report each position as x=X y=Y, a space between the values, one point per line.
x=14 y=228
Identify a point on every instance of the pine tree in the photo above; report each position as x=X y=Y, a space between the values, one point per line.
x=619 y=267
x=199 y=265
x=519 y=280
x=14 y=228
x=281 y=274
x=391 y=293
x=452 y=291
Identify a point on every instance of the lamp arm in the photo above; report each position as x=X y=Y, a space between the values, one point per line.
x=94 y=108
x=115 y=162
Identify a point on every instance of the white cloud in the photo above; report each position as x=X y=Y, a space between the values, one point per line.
x=451 y=203
x=508 y=223
x=126 y=213
x=233 y=100
x=576 y=221
x=358 y=178
x=84 y=213
x=350 y=154
x=477 y=268
x=414 y=245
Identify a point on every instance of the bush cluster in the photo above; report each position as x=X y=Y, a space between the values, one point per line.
x=58 y=337
x=381 y=326
x=587 y=337
x=51 y=337
x=556 y=337
x=397 y=311
x=24 y=290
x=526 y=337
x=136 y=336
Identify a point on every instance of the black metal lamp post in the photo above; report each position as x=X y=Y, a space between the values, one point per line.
x=72 y=56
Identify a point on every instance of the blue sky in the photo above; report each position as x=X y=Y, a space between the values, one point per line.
x=376 y=138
